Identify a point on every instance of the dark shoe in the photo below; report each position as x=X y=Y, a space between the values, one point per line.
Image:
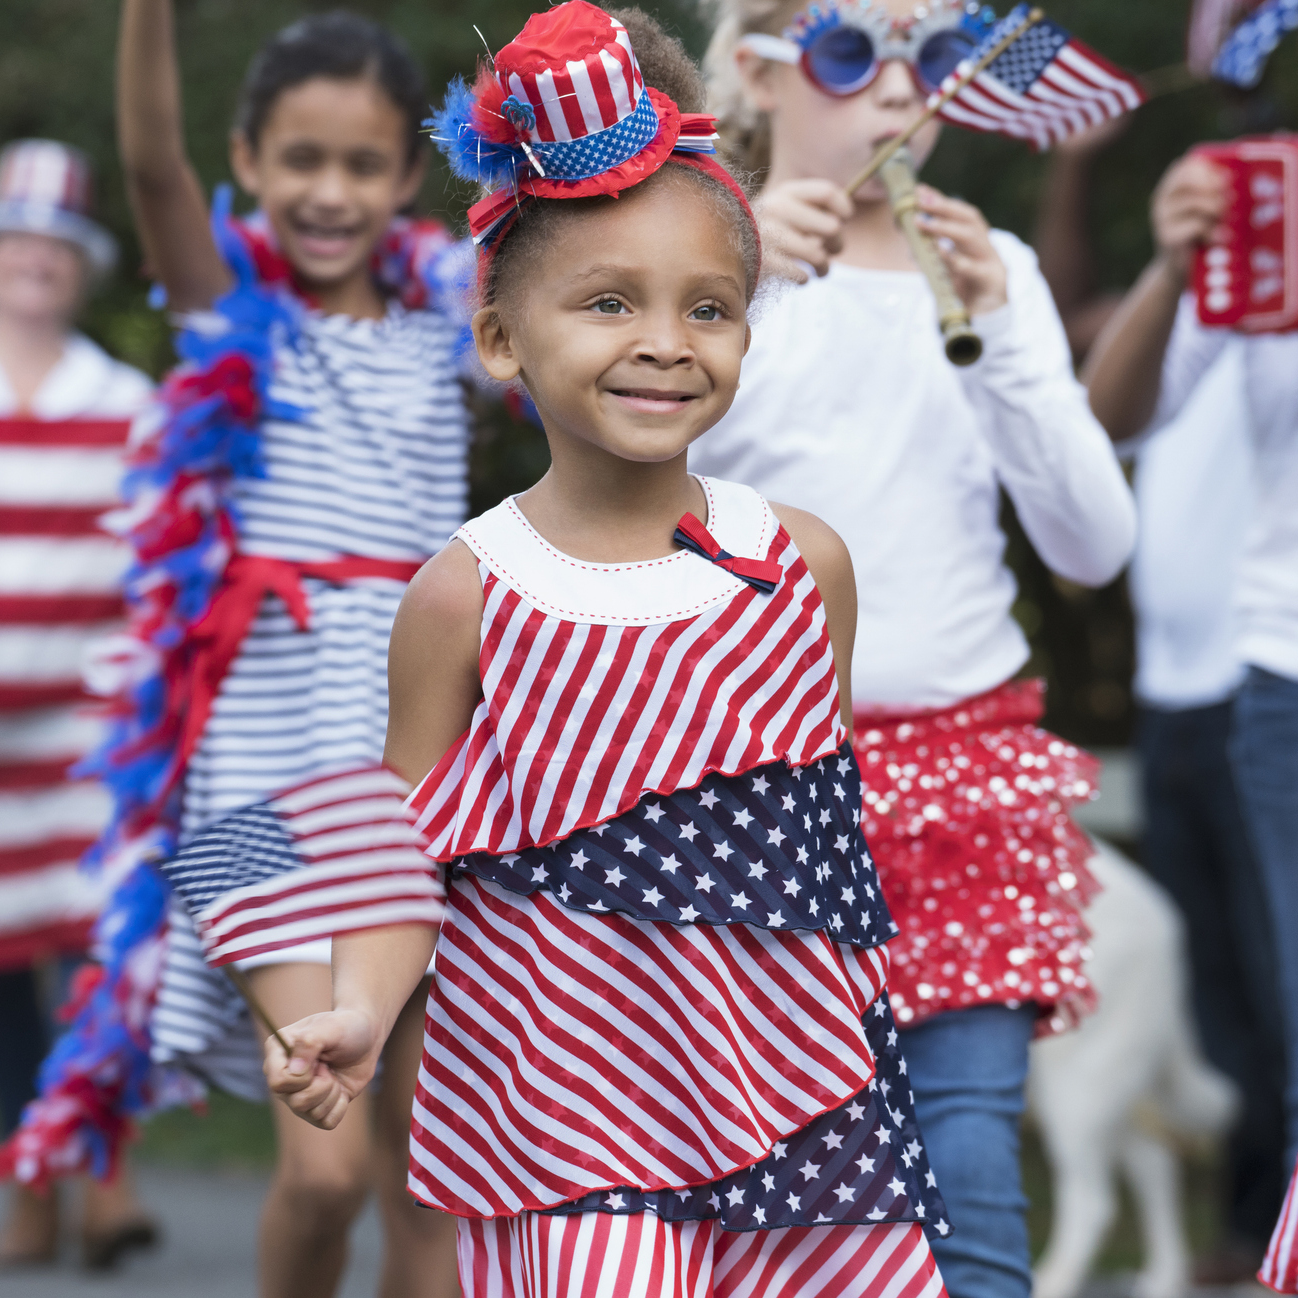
x=103 y=1252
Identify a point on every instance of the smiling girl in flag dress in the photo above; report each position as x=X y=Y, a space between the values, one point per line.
x=659 y=1056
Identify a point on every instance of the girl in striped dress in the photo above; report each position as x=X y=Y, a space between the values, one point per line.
x=308 y=455
x=659 y=1057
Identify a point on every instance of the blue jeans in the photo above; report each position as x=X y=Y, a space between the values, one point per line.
x=1264 y=753
x=968 y=1069
x=1197 y=847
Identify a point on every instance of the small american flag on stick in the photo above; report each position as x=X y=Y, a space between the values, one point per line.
x=1043 y=88
x=337 y=854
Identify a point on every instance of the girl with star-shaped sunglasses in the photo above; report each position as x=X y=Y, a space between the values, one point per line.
x=850 y=409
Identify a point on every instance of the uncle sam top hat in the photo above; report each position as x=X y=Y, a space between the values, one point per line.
x=45 y=188
x=563 y=112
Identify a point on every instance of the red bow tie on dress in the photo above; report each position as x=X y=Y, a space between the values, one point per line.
x=764 y=574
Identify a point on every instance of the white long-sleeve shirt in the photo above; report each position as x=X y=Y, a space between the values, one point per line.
x=1194 y=499
x=1266 y=596
x=848 y=408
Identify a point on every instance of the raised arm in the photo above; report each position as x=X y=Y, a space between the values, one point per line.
x=166 y=196
x=1125 y=370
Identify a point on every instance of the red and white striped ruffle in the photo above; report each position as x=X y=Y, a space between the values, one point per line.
x=567 y=1053
x=60 y=589
x=581 y=716
x=1280 y=1267
x=595 y=1255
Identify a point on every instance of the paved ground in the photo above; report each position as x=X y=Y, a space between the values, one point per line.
x=209 y=1222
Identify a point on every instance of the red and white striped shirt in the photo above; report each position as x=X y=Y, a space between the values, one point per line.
x=605 y=682
x=60 y=588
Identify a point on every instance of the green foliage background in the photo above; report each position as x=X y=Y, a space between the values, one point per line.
x=56 y=70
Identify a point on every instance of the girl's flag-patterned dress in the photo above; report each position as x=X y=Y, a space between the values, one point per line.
x=660 y=981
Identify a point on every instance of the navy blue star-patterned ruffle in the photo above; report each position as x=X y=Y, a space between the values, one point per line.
x=861 y=1163
x=776 y=847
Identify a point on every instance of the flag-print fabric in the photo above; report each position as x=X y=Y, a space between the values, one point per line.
x=650 y=1014
x=779 y=846
x=1243 y=55
x=568 y=1053
x=582 y=97
x=1280 y=1266
x=863 y=1161
x=598 y=1256
x=338 y=854
x=605 y=682
x=1045 y=87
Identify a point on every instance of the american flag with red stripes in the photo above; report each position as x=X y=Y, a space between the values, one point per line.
x=60 y=589
x=1045 y=87
x=1280 y=1267
x=338 y=854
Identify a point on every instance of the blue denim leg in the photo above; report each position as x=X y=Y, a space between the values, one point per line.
x=1197 y=847
x=1264 y=753
x=968 y=1069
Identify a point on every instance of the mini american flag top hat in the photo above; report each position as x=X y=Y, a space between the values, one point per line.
x=338 y=854
x=563 y=112
x=45 y=188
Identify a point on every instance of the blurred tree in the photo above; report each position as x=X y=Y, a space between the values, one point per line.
x=56 y=73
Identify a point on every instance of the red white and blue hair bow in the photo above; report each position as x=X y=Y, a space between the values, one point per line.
x=762 y=574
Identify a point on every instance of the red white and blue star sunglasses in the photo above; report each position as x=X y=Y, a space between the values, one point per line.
x=841 y=44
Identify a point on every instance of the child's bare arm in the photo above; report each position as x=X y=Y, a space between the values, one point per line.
x=433 y=688
x=830 y=564
x=335 y=1053
x=1124 y=371
x=433 y=681
x=165 y=193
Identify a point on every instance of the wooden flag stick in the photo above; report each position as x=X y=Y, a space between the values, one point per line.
x=886 y=150
x=1168 y=80
x=240 y=980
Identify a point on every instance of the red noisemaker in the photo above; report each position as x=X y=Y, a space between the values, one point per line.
x=1246 y=278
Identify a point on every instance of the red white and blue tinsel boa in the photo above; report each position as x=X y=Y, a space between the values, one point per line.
x=200 y=437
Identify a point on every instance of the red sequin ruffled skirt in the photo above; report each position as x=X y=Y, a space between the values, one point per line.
x=966 y=812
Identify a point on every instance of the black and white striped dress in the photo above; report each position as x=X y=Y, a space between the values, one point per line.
x=377 y=467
